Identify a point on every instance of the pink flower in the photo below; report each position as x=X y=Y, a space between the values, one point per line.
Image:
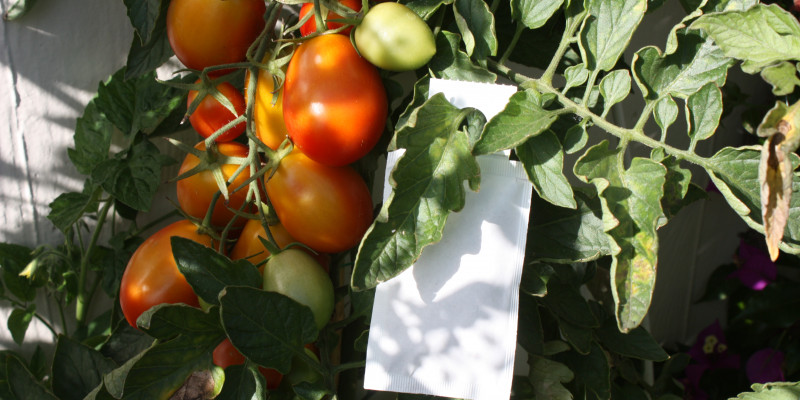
x=709 y=352
x=756 y=270
x=765 y=366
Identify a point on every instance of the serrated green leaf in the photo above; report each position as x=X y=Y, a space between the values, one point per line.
x=137 y=105
x=575 y=75
x=125 y=343
x=208 y=271
x=92 y=139
x=524 y=117
x=77 y=369
x=69 y=207
x=450 y=62
x=165 y=321
x=665 y=113
x=534 y=13
x=566 y=235
x=427 y=184
x=696 y=62
x=676 y=187
x=631 y=201
x=476 y=24
x=426 y=8
x=144 y=16
x=243 y=383
x=782 y=77
x=135 y=178
x=703 y=111
x=145 y=57
x=543 y=160
x=638 y=343
x=19 y=320
x=608 y=30
x=548 y=377
x=592 y=370
x=735 y=173
x=614 y=88
x=266 y=327
x=772 y=391
x=759 y=36
x=575 y=139
x=530 y=334
x=672 y=37
x=20 y=384
x=165 y=366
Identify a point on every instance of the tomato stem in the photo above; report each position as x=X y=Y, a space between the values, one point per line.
x=82 y=305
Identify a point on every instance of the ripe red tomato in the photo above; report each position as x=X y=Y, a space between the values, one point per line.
x=248 y=245
x=204 y=33
x=152 y=277
x=311 y=25
x=334 y=102
x=226 y=355
x=196 y=191
x=324 y=207
x=210 y=115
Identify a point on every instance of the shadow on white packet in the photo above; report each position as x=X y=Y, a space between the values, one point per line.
x=447 y=326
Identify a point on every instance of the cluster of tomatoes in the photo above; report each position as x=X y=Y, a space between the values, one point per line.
x=331 y=106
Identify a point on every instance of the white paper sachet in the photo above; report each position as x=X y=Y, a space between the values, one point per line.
x=447 y=325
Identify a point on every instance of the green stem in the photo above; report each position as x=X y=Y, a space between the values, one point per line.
x=566 y=41
x=35 y=315
x=82 y=301
x=347 y=366
x=513 y=44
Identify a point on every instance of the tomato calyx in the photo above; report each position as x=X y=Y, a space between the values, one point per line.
x=211 y=160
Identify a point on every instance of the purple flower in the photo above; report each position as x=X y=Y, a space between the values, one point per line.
x=756 y=270
x=765 y=366
x=709 y=352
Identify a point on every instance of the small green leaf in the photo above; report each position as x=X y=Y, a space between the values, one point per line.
x=77 y=369
x=534 y=13
x=566 y=235
x=208 y=271
x=631 y=201
x=427 y=184
x=530 y=334
x=677 y=186
x=524 y=117
x=20 y=384
x=575 y=138
x=69 y=207
x=165 y=321
x=19 y=320
x=134 y=178
x=144 y=16
x=548 y=377
x=703 y=110
x=543 y=159
x=638 y=343
x=782 y=77
x=450 y=62
x=615 y=87
x=772 y=391
x=243 y=383
x=608 y=30
x=476 y=24
x=575 y=75
x=125 y=343
x=92 y=139
x=145 y=56
x=267 y=327
x=759 y=36
x=665 y=113
x=566 y=302
x=592 y=370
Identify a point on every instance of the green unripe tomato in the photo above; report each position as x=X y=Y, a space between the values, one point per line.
x=295 y=274
x=394 y=38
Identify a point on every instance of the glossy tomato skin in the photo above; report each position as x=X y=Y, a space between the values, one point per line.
x=392 y=37
x=248 y=245
x=334 y=104
x=311 y=25
x=152 y=276
x=268 y=114
x=225 y=355
x=324 y=207
x=295 y=274
x=196 y=192
x=204 y=33
x=210 y=115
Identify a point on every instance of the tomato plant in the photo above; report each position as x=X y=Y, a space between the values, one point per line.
x=197 y=191
x=268 y=110
x=334 y=104
x=205 y=33
x=152 y=277
x=295 y=274
x=211 y=115
x=326 y=208
x=225 y=355
x=249 y=246
x=393 y=37
x=311 y=25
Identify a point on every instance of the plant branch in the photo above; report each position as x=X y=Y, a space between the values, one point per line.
x=82 y=301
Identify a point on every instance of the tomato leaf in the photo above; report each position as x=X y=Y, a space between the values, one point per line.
x=19 y=320
x=125 y=343
x=703 y=110
x=69 y=207
x=427 y=184
x=567 y=235
x=209 y=271
x=614 y=88
x=243 y=383
x=147 y=54
x=92 y=139
x=631 y=203
x=450 y=62
x=534 y=13
x=165 y=321
x=665 y=113
x=524 y=117
x=77 y=369
x=17 y=382
x=760 y=36
x=165 y=366
x=476 y=24
x=543 y=160
x=266 y=327
x=592 y=370
x=782 y=77
x=144 y=16
x=133 y=178
x=772 y=391
x=548 y=378
x=638 y=343
x=608 y=30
